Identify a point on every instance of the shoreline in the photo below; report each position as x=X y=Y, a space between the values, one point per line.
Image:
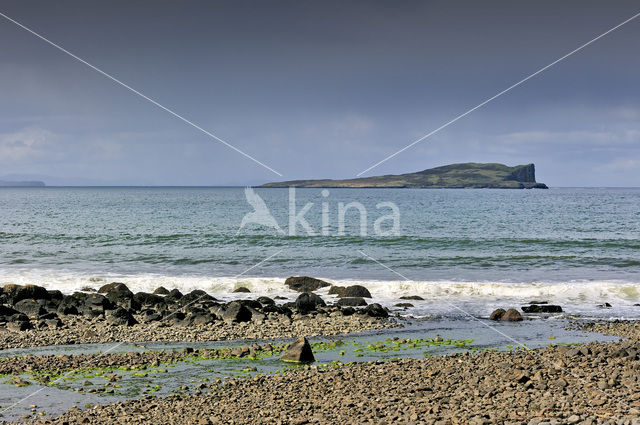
x=595 y=383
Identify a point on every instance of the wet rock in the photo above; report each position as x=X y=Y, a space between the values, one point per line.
x=497 y=314
x=144 y=299
x=266 y=301
x=305 y=283
x=120 y=317
x=19 y=326
x=604 y=305
x=31 y=308
x=236 y=312
x=161 y=290
x=511 y=315
x=14 y=293
x=68 y=305
x=350 y=291
x=412 y=297
x=173 y=296
x=542 y=308
x=194 y=296
x=241 y=289
x=351 y=302
x=307 y=302
x=113 y=286
x=298 y=352
x=375 y=310
x=403 y=305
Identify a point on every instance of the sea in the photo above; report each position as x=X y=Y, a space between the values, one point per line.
x=464 y=251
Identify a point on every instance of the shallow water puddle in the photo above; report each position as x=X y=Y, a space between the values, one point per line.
x=418 y=339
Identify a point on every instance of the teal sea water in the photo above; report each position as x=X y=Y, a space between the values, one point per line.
x=475 y=248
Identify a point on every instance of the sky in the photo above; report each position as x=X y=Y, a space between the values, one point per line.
x=316 y=89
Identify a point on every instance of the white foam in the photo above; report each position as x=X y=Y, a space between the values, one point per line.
x=580 y=297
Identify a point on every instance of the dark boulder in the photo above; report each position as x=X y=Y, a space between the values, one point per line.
x=113 y=286
x=173 y=296
x=145 y=299
x=235 y=312
x=348 y=311
x=69 y=305
x=161 y=290
x=55 y=295
x=299 y=352
x=305 y=283
x=7 y=313
x=14 y=293
x=31 y=308
x=350 y=291
x=351 y=302
x=412 y=298
x=542 y=308
x=195 y=296
x=120 y=317
x=307 y=302
x=266 y=301
x=375 y=310
x=241 y=289
x=403 y=305
x=497 y=314
x=251 y=303
x=511 y=315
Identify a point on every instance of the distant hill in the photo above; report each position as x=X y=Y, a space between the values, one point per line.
x=4 y=183
x=467 y=175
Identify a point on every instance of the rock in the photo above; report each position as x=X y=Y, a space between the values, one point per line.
x=266 y=301
x=161 y=290
x=604 y=305
x=305 y=283
x=351 y=302
x=307 y=302
x=348 y=311
x=236 y=312
x=412 y=297
x=173 y=295
x=511 y=315
x=497 y=314
x=404 y=305
x=542 y=308
x=350 y=291
x=68 y=305
x=375 y=310
x=113 y=286
x=144 y=299
x=31 y=308
x=299 y=352
x=13 y=293
x=241 y=289
x=7 y=313
x=19 y=326
x=195 y=296
x=120 y=317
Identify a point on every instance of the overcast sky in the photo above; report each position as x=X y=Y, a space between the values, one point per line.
x=317 y=89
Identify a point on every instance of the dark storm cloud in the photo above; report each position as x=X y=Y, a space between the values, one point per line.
x=317 y=89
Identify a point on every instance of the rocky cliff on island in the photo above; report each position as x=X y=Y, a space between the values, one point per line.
x=455 y=176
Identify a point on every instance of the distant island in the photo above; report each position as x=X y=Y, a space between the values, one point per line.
x=4 y=183
x=455 y=176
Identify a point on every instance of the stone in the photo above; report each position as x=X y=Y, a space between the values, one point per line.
x=412 y=298
x=161 y=290
x=114 y=286
x=236 y=312
x=307 y=302
x=266 y=301
x=375 y=310
x=299 y=352
x=351 y=302
x=120 y=317
x=31 y=308
x=497 y=314
x=350 y=291
x=511 y=315
x=305 y=283
x=542 y=308
x=241 y=289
